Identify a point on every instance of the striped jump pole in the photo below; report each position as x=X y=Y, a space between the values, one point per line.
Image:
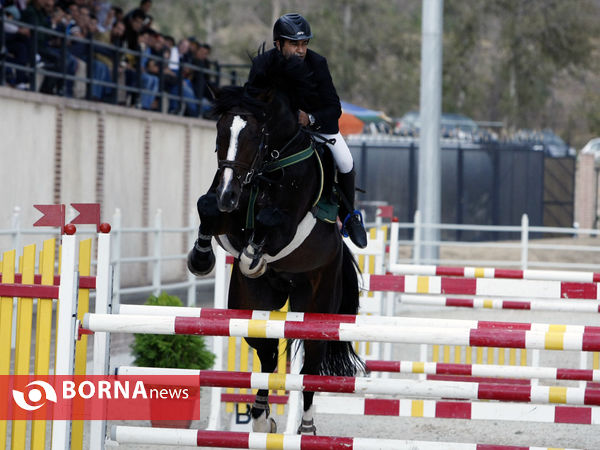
x=423 y=284
x=442 y=409
x=487 y=272
x=412 y=388
x=430 y=368
x=396 y=321
x=484 y=370
x=232 y=439
x=339 y=331
x=575 y=306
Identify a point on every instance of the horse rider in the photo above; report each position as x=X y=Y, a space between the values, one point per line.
x=291 y=35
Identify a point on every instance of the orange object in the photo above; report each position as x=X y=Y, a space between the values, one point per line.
x=350 y=124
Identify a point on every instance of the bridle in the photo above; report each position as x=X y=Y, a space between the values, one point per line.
x=263 y=161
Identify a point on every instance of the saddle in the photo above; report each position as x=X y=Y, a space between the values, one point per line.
x=327 y=205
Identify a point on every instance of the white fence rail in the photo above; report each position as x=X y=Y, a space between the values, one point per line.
x=154 y=252
x=578 y=251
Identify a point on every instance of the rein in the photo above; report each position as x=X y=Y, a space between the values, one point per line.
x=274 y=165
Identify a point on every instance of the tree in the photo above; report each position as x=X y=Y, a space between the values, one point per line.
x=517 y=61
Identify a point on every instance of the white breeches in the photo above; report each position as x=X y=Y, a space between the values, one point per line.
x=341 y=152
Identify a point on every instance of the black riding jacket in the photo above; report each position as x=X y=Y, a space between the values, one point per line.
x=325 y=106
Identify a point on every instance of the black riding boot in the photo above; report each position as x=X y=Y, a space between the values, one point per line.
x=351 y=218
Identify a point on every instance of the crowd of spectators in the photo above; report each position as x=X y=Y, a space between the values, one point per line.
x=79 y=39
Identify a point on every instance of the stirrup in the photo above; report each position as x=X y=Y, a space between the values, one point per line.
x=356 y=212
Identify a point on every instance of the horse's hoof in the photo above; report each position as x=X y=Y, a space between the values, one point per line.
x=255 y=272
x=307 y=427
x=252 y=267
x=267 y=425
x=200 y=263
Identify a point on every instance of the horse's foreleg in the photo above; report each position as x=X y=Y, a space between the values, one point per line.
x=267 y=350
x=201 y=258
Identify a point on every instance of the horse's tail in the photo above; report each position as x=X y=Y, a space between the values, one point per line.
x=340 y=358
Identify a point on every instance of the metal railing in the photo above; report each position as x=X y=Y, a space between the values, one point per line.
x=520 y=252
x=221 y=73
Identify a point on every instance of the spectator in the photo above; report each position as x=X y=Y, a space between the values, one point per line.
x=114 y=37
x=193 y=47
x=18 y=44
x=143 y=9
x=118 y=13
x=133 y=25
x=135 y=75
x=203 y=87
x=201 y=63
x=191 y=107
x=173 y=54
x=148 y=60
x=147 y=71
x=110 y=56
x=38 y=14
x=105 y=14
x=88 y=27
x=182 y=49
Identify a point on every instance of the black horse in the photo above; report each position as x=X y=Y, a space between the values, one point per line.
x=261 y=208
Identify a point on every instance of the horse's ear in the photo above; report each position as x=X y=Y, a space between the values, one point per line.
x=214 y=92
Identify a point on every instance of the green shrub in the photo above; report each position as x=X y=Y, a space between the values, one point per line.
x=175 y=351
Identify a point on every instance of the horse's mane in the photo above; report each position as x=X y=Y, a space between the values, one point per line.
x=230 y=97
x=270 y=74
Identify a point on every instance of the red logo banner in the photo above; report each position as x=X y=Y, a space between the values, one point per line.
x=147 y=397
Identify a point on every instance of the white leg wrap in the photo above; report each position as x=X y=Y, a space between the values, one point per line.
x=264 y=424
x=309 y=414
x=307 y=425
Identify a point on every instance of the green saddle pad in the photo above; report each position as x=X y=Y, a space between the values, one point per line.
x=326 y=211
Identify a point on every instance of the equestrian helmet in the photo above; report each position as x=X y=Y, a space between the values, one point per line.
x=293 y=27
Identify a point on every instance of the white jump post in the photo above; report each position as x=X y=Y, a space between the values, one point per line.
x=65 y=344
x=191 y=278
x=417 y=237
x=156 y=261
x=214 y=418
x=524 y=240
x=100 y=364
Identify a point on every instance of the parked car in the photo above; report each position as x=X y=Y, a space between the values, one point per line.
x=452 y=125
x=555 y=146
x=593 y=147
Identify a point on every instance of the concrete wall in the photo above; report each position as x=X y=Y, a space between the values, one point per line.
x=585 y=192
x=56 y=150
